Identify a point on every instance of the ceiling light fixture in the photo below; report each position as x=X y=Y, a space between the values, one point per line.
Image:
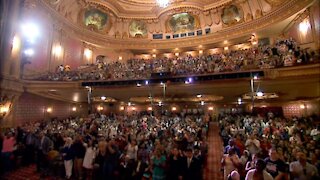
x=163 y=3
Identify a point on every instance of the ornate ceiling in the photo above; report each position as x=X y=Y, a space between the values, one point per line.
x=142 y=24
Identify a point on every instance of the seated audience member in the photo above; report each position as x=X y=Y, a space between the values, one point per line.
x=302 y=170
x=259 y=172
x=275 y=166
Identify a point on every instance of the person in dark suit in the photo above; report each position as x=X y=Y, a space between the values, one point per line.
x=44 y=145
x=191 y=167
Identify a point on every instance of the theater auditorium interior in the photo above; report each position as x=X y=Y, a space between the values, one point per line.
x=160 y=89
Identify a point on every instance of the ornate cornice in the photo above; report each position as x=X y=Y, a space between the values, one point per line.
x=278 y=14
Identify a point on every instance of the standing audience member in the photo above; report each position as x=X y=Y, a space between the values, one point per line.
x=302 y=170
x=259 y=172
x=79 y=152
x=7 y=155
x=89 y=159
x=44 y=146
x=230 y=162
x=191 y=166
x=275 y=166
x=68 y=155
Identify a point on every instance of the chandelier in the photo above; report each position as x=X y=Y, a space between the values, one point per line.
x=163 y=3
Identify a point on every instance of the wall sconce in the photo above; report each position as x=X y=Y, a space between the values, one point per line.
x=57 y=51
x=49 y=110
x=304 y=26
x=88 y=53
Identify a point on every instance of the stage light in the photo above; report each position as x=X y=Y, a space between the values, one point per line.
x=29 y=52
x=121 y=108
x=103 y=98
x=173 y=108
x=129 y=103
x=302 y=106
x=160 y=103
x=138 y=85
x=210 y=108
x=199 y=95
x=202 y=103
x=146 y=82
x=190 y=80
x=74 y=109
x=30 y=31
x=255 y=77
x=239 y=101
x=259 y=94
x=149 y=108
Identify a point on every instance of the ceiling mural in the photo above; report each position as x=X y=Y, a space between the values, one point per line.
x=183 y=22
x=138 y=29
x=95 y=19
x=231 y=15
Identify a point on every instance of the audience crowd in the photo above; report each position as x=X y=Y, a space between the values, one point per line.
x=270 y=147
x=137 y=146
x=282 y=53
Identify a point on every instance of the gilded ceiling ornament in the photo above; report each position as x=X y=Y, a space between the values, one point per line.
x=275 y=2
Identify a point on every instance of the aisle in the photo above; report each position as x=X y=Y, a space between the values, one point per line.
x=214 y=153
x=24 y=173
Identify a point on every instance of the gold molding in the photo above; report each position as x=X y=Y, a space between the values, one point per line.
x=278 y=14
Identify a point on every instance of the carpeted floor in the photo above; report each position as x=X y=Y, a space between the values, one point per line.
x=214 y=154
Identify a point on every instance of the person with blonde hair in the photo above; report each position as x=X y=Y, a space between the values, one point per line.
x=68 y=156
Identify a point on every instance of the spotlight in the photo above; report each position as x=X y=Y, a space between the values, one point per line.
x=138 y=85
x=202 y=103
x=29 y=52
x=146 y=82
x=160 y=103
x=259 y=94
x=199 y=95
x=103 y=98
x=30 y=31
